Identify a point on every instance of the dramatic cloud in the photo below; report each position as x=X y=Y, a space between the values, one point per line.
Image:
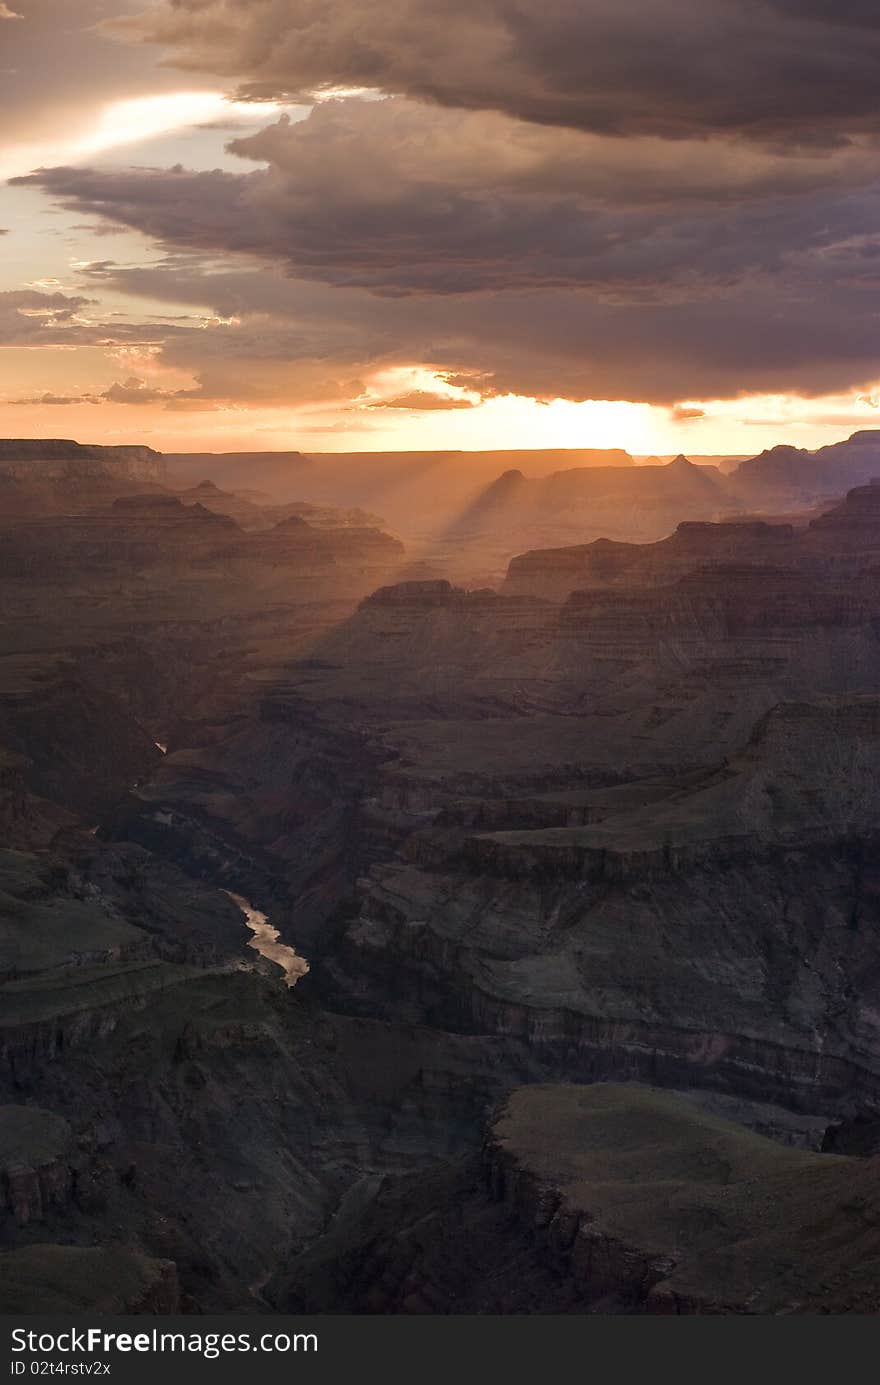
x=668 y=201
x=571 y=265
x=400 y=198
x=295 y=341
x=797 y=70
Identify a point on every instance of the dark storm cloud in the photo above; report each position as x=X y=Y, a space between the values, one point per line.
x=572 y=265
x=764 y=69
x=657 y=201
x=292 y=340
x=401 y=198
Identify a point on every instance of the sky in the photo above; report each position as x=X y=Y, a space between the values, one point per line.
x=393 y=224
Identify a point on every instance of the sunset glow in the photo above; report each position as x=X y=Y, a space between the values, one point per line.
x=196 y=242
x=126 y=123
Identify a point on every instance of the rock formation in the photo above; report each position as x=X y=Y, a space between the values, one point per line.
x=792 y=475
x=607 y=1199
x=46 y=459
x=613 y=824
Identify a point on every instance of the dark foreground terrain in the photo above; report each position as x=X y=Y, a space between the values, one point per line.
x=584 y=866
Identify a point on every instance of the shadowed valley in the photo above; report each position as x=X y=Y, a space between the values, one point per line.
x=565 y=793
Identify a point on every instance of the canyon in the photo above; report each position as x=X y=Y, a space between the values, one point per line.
x=574 y=874
x=465 y=515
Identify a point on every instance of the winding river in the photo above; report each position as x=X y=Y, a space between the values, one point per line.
x=266 y=941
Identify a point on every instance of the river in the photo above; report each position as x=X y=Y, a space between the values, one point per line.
x=266 y=941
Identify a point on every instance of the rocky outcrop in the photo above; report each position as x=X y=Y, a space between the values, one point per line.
x=846 y=538
x=648 y=940
x=554 y=573
x=794 y=476
x=841 y=541
x=59 y=458
x=604 y=1199
x=650 y=1206
x=36 y=1177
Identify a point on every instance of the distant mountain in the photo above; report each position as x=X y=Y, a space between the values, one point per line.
x=792 y=475
x=464 y=513
x=626 y=503
x=468 y=513
x=553 y=573
x=414 y=491
x=843 y=542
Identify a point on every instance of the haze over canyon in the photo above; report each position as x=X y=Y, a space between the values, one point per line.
x=610 y=819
